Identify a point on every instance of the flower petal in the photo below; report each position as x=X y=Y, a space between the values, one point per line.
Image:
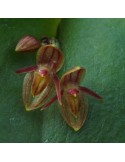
x=74 y=109
x=27 y=89
x=51 y=56
x=73 y=76
x=35 y=102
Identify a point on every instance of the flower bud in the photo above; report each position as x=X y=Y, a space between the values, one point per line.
x=27 y=43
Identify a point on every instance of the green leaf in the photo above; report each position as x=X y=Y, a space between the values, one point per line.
x=96 y=44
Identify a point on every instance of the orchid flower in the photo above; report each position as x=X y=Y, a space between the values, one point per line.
x=40 y=79
x=73 y=98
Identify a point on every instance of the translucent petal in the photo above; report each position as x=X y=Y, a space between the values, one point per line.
x=35 y=102
x=74 y=109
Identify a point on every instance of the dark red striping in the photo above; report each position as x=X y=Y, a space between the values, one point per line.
x=70 y=77
x=44 y=55
x=59 y=57
x=49 y=92
x=41 y=60
x=50 y=60
x=65 y=80
x=77 y=77
x=57 y=61
x=52 y=54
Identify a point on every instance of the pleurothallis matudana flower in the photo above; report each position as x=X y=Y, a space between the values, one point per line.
x=73 y=98
x=40 y=79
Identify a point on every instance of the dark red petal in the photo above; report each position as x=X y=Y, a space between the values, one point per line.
x=27 y=69
x=57 y=85
x=50 y=102
x=90 y=92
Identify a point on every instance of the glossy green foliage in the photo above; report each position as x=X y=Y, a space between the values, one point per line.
x=96 y=44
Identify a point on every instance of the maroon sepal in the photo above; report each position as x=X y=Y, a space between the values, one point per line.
x=27 y=69
x=90 y=92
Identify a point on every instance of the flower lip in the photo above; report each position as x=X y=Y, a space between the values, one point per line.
x=74 y=92
x=43 y=72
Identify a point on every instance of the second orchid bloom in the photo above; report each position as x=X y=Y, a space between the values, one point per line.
x=74 y=100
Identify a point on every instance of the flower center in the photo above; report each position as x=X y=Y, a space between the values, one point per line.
x=74 y=92
x=43 y=72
